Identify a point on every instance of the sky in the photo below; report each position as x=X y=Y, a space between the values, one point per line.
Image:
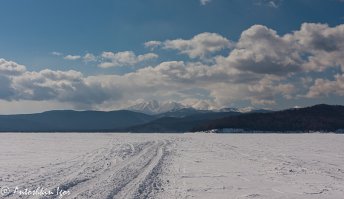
x=111 y=54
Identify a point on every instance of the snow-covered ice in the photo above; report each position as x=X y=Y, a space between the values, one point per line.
x=173 y=165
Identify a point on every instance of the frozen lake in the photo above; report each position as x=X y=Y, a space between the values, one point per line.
x=77 y=165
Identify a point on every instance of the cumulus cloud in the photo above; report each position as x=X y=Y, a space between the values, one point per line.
x=324 y=44
x=126 y=58
x=164 y=81
x=17 y=83
x=259 y=66
x=72 y=57
x=262 y=50
x=45 y=84
x=315 y=47
x=324 y=87
x=89 y=57
x=266 y=90
x=223 y=84
x=63 y=86
x=11 y=68
x=8 y=70
x=320 y=37
x=200 y=46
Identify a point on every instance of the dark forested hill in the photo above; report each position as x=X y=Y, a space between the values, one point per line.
x=180 y=124
x=73 y=121
x=316 y=118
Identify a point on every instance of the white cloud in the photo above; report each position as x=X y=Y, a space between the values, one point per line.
x=270 y=3
x=324 y=87
x=315 y=47
x=48 y=85
x=261 y=50
x=324 y=44
x=164 y=81
x=56 y=53
x=200 y=46
x=11 y=68
x=72 y=57
x=152 y=44
x=273 y=4
x=31 y=106
x=260 y=69
x=266 y=90
x=126 y=58
x=63 y=86
x=89 y=57
x=204 y=2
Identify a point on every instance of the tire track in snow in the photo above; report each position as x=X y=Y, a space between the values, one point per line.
x=115 y=178
x=115 y=171
x=137 y=186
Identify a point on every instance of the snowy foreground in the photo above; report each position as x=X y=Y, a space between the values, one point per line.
x=171 y=166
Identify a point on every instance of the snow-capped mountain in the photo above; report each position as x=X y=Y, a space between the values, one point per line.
x=241 y=110
x=246 y=109
x=155 y=107
x=203 y=105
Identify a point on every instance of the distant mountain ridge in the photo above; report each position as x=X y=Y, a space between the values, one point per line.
x=68 y=121
x=316 y=118
x=171 y=124
x=154 y=107
x=320 y=117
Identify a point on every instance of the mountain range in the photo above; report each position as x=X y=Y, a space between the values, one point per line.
x=154 y=107
x=173 y=117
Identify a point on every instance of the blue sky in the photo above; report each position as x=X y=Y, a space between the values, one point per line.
x=49 y=35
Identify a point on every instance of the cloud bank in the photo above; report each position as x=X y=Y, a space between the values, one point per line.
x=262 y=67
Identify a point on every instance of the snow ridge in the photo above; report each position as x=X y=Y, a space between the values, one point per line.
x=154 y=107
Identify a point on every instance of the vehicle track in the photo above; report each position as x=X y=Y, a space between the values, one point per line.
x=115 y=171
